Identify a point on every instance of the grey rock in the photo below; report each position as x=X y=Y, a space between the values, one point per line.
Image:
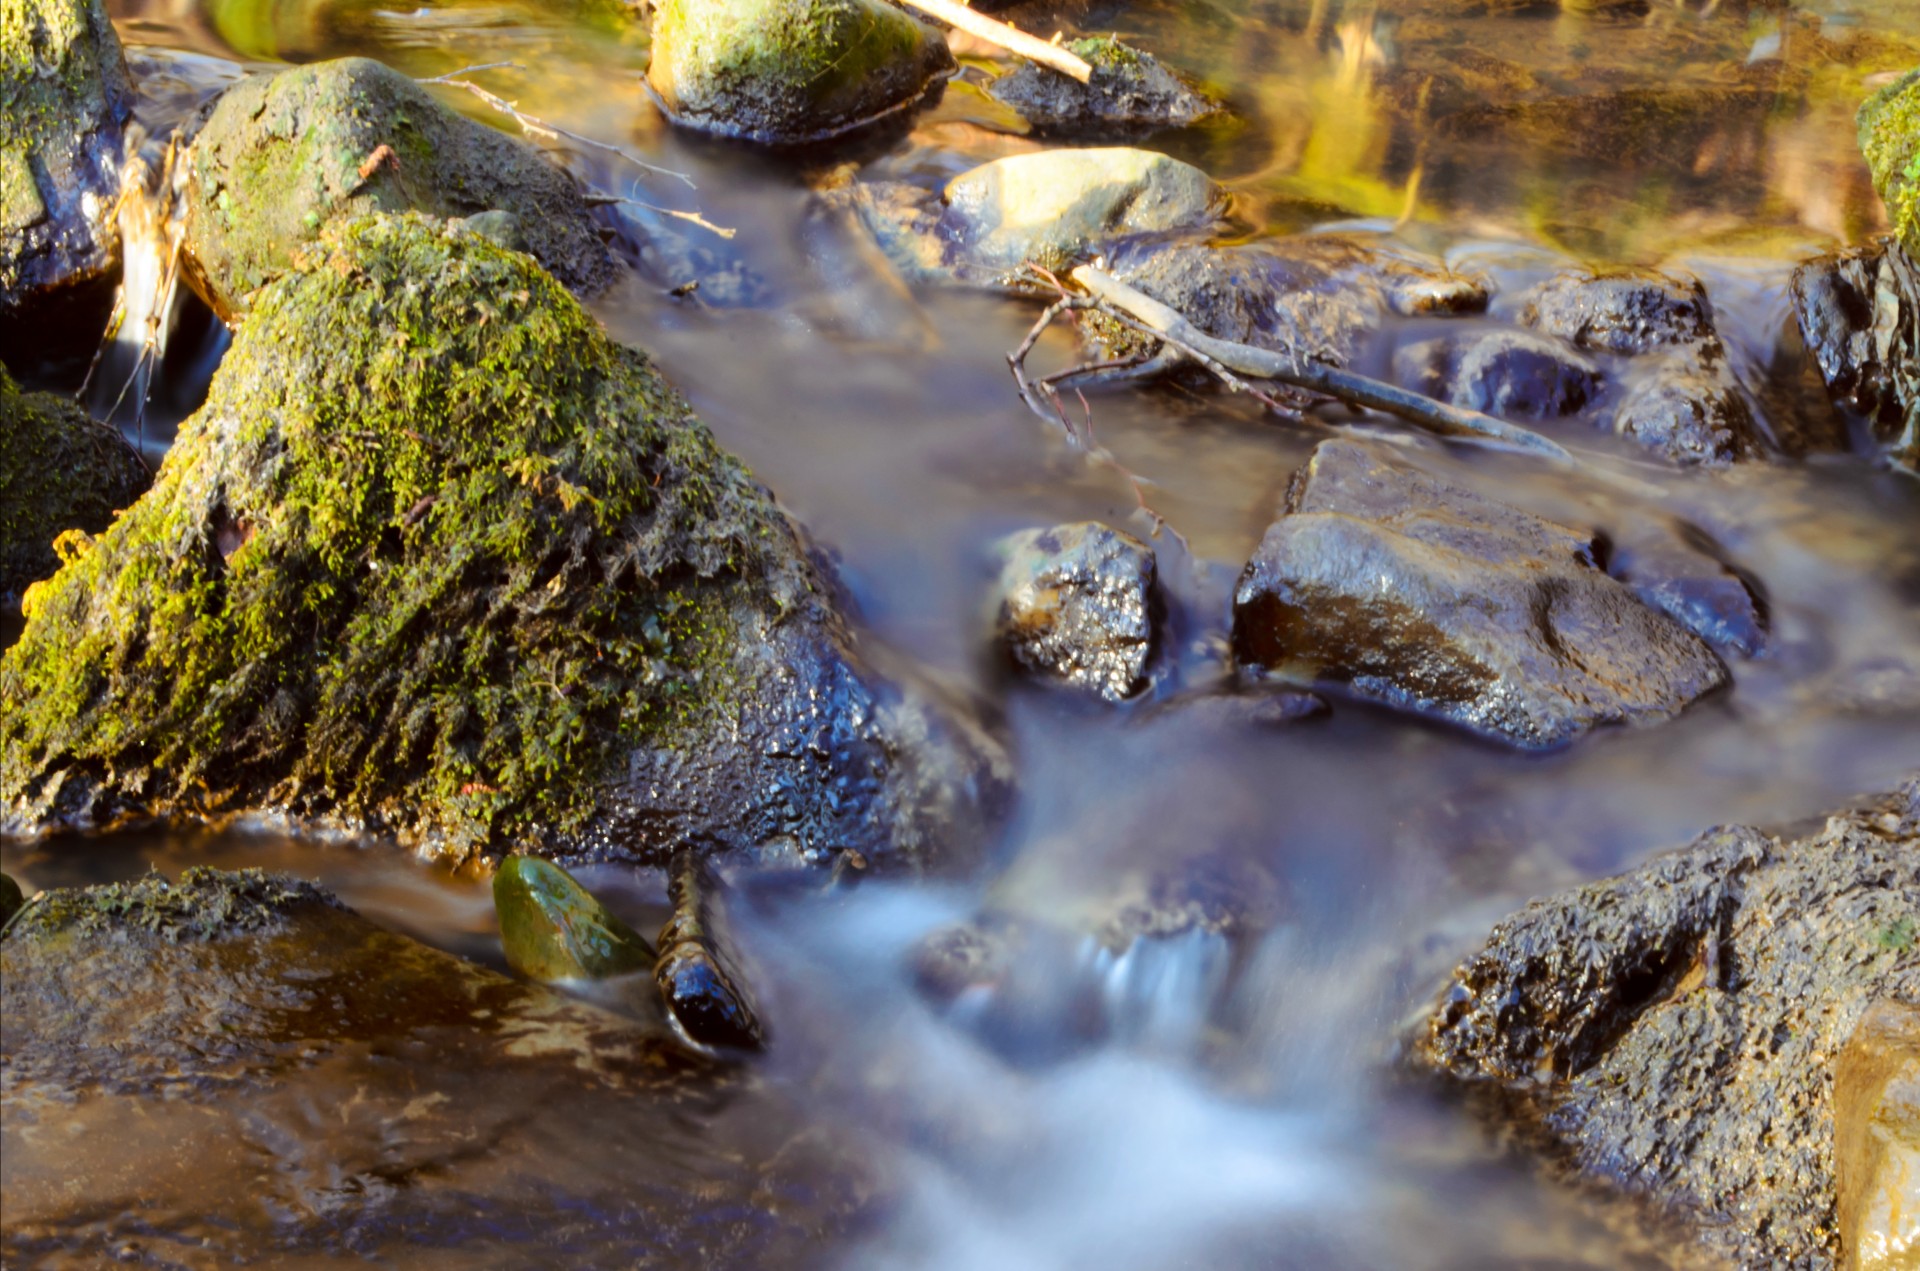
x=1671 y=1034
x=1684 y=403
x=1620 y=311
x=1679 y=570
x=1078 y=608
x=1130 y=94
x=1506 y=373
x=1437 y=600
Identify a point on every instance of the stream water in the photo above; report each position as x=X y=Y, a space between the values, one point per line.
x=1217 y=1121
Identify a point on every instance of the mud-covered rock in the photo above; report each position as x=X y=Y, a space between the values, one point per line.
x=65 y=100
x=279 y=156
x=1130 y=94
x=59 y=471
x=1890 y=140
x=1434 y=599
x=1859 y=317
x=791 y=71
x=1671 y=1034
x=1876 y=1137
x=1506 y=373
x=1078 y=608
x=1317 y=296
x=237 y=1064
x=488 y=585
x=1629 y=311
x=1684 y=403
x=1678 y=569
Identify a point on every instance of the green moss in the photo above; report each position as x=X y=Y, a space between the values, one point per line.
x=206 y=904
x=1890 y=139
x=434 y=556
x=1106 y=51
x=59 y=471
x=789 y=70
x=552 y=928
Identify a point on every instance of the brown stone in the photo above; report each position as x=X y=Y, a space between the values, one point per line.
x=1876 y=1140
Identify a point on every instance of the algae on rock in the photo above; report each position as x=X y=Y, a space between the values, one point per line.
x=278 y=156
x=438 y=558
x=59 y=471
x=1890 y=139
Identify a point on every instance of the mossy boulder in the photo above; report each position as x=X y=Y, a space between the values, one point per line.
x=790 y=71
x=64 y=100
x=1130 y=94
x=438 y=559
x=59 y=471
x=1890 y=139
x=279 y=156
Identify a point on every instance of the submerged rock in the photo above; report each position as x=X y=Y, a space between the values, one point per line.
x=65 y=100
x=1627 y=311
x=1506 y=373
x=790 y=71
x=1890 y=139
x=490 y=585
x=238 y=1065
x=59 y=471
x=1437 y=600
x=1672 y=1033
x=281 y=155
x=1876 y=1137
x=552 y=928
x=1130 y=94
x=1679 y=570
x=1077 y=608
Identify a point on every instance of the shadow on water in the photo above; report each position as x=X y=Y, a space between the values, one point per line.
x=1219 y=1117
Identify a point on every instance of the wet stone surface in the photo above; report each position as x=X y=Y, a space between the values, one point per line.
x=1672 y=1034
x=1440 y=601
x=1876 y=1137
x=1506 y=373
x=1859 y=315
x=1130 y=94
x=1078 y=608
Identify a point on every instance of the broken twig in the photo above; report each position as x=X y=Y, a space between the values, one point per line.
x=1009 y=38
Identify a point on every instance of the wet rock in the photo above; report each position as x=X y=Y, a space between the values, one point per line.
x=10 y=899
x=279 y=156
x=1890 y=140
x=1685 y=404
x=59 y=471
x=790 y=71
x=1505 y=373
x=237 y=1065
x=1620 y=311
x=705 y=993
x=552 y=928
x=65 y=100
x=1437 y=600
x=1859 y=317
x=1316 y=295
x=519 y=600
x=1679 y=570
x=1876 y=1137
x=1671 y=1033
x=1050 y=206
x=1129 y=95
x=1078 y=608
x=1239 y=707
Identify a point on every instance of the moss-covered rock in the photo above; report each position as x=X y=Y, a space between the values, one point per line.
x=790 y=71
x=1890 y=139
x=59 y=471
x=552 y=928
x=278 y=156
x=64 y=97
x=438 y=558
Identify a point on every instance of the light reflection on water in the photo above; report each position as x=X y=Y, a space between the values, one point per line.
x=1258 y=1134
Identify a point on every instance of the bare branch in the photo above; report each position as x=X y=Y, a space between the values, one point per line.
x=1010 y=38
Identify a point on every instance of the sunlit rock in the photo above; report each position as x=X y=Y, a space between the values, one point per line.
x=1130 y=94
x=439 y=559
x=1671 y=1034
x=281 y=155
x=1436 y=600
x=59 y=471
x=790 y=71
x=1078 y=608
x=1876 y=1135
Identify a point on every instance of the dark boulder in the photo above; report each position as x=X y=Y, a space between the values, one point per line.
x=1672 y=1034
x=1078 y=608
x=1129 y=95
x=279 y=156
x=1684 y=403
x=1859 y=316
x=1506 y=373
x=1620 y=311
x=489 y=586
x=59 y=471
x=1437 y=600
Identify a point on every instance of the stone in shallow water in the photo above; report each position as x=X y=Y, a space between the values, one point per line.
x=1506 y=373
x=1679 y=570
x=1671 y=1034
x=790 y=71
x=552 y=928
x=1620 y=311
x=1684 y=403
x=1876 y=1135
x=1077 y=608
x=1130 y=94
x=1437 y=600
x=1859 y=316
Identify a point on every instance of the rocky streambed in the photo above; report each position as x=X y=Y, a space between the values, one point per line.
x=1451 y=458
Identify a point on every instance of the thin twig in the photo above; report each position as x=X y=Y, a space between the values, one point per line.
x=695 y=217
x=1010 y=38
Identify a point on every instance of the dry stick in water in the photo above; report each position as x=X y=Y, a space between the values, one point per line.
x=1009 y=38
x=1265 y=364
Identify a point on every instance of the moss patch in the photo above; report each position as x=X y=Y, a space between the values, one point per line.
x=432 y=557
x=206 y=904
x=1890 y=139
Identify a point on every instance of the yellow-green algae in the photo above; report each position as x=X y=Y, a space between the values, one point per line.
x=59 y=471
x=432 y=556
x=1890 y=139
x=552 y=928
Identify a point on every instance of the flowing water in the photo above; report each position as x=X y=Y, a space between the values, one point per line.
x=1224 y=1108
